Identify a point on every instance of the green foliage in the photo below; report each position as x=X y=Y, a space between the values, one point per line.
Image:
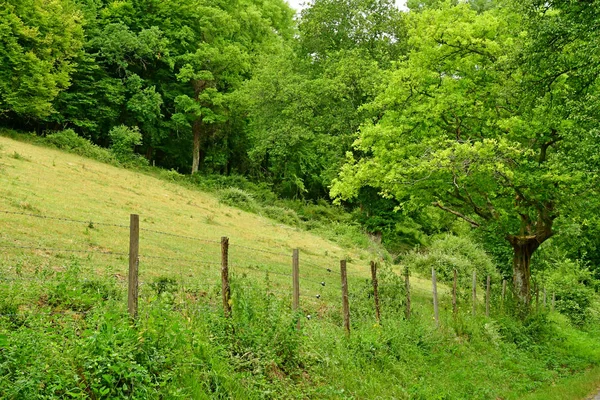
x=449 y=253
x=69 y=140
x=182 y=347
x=238 y=198
x=123 y=142
x=447 y=133
x=36 y=54
x=573 y=286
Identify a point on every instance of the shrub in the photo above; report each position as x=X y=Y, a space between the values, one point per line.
x=570 y=282
x=238 y=198
x=451 y=252
x=69 y=140
x=283 y=215
x=123 y=142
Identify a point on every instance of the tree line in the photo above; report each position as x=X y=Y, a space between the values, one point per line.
x=485 y=111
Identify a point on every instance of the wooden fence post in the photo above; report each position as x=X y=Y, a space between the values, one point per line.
x=487 y=297
x=454 y=284
x=345 y=305
x=503 y=290
x=537 y=296
x=435 y=298
x=544 y=297
x=225 y=291
x=296 y=280
x=474 y=292
x=407 y=284
x=134 y=262
x=375 y=291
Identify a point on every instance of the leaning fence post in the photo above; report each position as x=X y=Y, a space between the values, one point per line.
x=345 y=305
x=375 y=291
x=435 y=298
x=134 y=262
x=454 y=284
x=296 y=280
x=407 y=284
x=487 y=297
x=225 y=291
x=474 y=292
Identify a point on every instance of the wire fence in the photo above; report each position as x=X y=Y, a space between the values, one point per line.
x=219 y=266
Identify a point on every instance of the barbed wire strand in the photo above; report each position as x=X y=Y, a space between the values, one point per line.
x=180 y=236
x=64 y=219
x=189 y=260
x=64 y=312
x=259 y=270
x=111 y=253
x=260 y=250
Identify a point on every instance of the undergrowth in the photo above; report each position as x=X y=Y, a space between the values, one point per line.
x=67 y=335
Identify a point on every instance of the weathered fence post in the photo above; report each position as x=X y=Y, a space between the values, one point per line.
x=407 y=284
x=487 y=297
x=537 y=296
x=474 y=292
x=544 y=297
x=503 y=290
x=375 y=291
x=296 y=280
x=345 y=305
x=134 y=262
x=454 y=284
x=225 y=291
x=435 y=298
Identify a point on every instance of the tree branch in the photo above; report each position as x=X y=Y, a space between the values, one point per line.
x=469 y=220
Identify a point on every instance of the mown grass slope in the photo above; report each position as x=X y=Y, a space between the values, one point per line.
x=65 y=333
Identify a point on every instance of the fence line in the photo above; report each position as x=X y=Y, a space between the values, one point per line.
x=273 y=268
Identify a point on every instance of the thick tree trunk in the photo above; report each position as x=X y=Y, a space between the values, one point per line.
x=523 y=248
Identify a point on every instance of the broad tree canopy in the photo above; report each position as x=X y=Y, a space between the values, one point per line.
x=468 y=125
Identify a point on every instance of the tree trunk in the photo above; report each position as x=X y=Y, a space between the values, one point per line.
x=199 y=86
x=523 y=248
x=197 y=131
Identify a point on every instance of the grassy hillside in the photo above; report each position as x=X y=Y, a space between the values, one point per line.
x=64 y=331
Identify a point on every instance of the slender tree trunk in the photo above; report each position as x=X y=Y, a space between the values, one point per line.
x=197 y=126
x=197 y=131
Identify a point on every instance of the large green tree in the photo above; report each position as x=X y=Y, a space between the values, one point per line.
x=465 y=125
x=304 y=103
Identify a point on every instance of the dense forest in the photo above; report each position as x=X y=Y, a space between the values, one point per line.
x=454 y=115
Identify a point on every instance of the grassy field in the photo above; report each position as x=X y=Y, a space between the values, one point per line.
x=64 y=331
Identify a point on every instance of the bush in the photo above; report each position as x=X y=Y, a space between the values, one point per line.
x=238 y=198
x=123 y=142
x=70 y=141
x=283 y=215
x=571 y=282
x=449 y=253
